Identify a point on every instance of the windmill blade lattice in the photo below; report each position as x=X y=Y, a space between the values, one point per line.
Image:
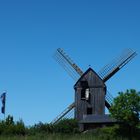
x=69 y=66
x=109 y=70
x=68 y=113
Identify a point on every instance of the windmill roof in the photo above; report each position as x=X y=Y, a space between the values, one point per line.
x=90 y=69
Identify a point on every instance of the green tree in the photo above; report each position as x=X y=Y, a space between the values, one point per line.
x=9 y=120
x=126 y=107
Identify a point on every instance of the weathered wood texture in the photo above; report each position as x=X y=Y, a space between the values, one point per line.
x=96 y=102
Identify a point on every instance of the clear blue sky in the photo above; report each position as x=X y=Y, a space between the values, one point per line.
x=92 y=32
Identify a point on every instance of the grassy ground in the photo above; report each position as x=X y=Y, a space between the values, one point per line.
x=59 y=137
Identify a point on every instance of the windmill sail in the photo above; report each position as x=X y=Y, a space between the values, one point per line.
x=112 y=68
x=69 y=66
x=108 y=100
x=65 y=112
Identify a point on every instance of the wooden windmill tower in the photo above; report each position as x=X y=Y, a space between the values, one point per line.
x=91 y=95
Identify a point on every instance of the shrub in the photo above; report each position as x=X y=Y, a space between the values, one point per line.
x=40 y=128
x=66 y=126
x=9 y=127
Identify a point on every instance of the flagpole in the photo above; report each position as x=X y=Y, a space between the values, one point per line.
x=5 y=106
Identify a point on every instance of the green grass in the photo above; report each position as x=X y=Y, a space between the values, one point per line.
x=60 y=137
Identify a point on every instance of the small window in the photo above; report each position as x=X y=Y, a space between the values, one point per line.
x=84 y=84
x=83 y=95
x=89 y=110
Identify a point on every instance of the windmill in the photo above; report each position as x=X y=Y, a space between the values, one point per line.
x=102 y=76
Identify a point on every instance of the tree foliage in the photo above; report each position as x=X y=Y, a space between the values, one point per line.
x=126 y=107
x=9 y=127
x=66 y=126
